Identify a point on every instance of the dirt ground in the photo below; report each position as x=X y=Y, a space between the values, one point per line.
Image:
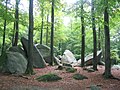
x=13 y=82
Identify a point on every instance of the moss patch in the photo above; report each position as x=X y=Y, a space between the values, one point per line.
x=49 y=77
x=94 y=87
x=71 y=70
x=79 y=76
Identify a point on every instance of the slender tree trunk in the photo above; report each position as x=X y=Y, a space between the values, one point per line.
x=59 y=46
x=16 y=22
x=47 y=30
x=99 y=39
x=30 y=41
x=103 y=44
x=107 y=73
x=41 y=36
x=52 y=33
x=13 y=37
x=94 y=37
x=83 y=36
x=4 y=32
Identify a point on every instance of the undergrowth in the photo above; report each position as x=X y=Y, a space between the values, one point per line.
x=48 y=77
x=79 y=76
x=70 y=70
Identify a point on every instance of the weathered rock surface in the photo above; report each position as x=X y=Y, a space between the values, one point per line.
x=116 y=67
x=38 y=60
x=16 y=63
x=68 y=57
x=17 y=49
x=45 y=52
x=89 y=58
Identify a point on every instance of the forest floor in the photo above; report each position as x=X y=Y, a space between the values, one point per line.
x=13 y=82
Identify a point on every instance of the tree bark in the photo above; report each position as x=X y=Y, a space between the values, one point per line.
x=47 y=30
x=94 y=37
x=52 y=33
x=4 y=32
x=41 y=36
x=30 y=40
x=107 y=73
x=13 y=37
x=16 y=22
x=99 y=39
x=83 y=36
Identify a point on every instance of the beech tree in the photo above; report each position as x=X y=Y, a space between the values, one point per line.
x=94 y=37
x=47 y=29
x=42 y=22
x=52 y=33
x=16 y=22
x=99 y=38
x=4 y=31
x=107 y=72
x=30 y=40
x=83 y=36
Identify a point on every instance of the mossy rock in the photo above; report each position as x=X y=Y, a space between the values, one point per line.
x=94 y=87
x=49 y=77
x=79 y=76
x=70 y=70
x=89 y=69
x=16 y=63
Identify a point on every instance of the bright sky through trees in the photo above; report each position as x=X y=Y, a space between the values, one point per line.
x=24 y=5
x=66 y=20
x=70 y=1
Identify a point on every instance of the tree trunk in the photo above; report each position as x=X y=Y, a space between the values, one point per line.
x=13 y=37
x=30 y=40
x=94 y=37
x=47 y=30
x=99 y=39
x=83 y=36
x=41 y=36
x=4 y=32
x=52 y=33
x=107 y=73
x=16 y=22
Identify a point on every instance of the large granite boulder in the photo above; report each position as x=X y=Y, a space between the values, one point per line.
x=76 y=64
x=16 y=63
x=38 y=60
x=17 y=49
x=45 y=52
x=68 y=57
x=116 y=67
x=89 y=58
